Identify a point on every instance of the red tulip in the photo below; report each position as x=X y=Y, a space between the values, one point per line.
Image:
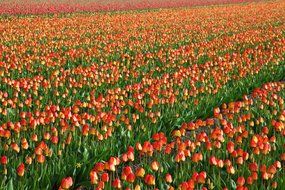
x=202 y=177
x=127 y=170
x=272 y=169
x=99 y=167
x=131 y=178
x=249 y=180
x=253 y=167
x=85 y=130
x=221 y=163
x=149 y=179
x=274 y=185
x=254 y=175
x=117 y=184
x=213 y=160
x=240 y=181
x=265 y=175
x=4 y=160
x=230 y=147
x=66 y=183
x=105 y=177
x=21 y=170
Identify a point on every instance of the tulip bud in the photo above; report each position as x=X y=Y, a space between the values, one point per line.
x=168 y=178
x=140 y=172
x=155 y=165
x=274 y=185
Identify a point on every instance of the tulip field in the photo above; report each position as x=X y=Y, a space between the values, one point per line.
x=145 y=99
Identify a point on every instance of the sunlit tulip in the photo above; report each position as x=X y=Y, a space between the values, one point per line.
x=66 y=183
x=265 y=176
x=29 y=160
x=213 y=161
x=168 y=178
x=41 y=159
x=231 y=170
x=155 y=165
x=137 y=187
x=149 y=179
x=93 y=177
x=140 y=172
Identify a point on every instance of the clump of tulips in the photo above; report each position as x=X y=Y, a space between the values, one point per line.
x=239 y=147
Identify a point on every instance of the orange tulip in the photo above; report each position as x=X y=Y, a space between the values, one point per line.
x=93 y=177
x=41 y=159
x=140 y=172
x=155 y=165
x=66 y=183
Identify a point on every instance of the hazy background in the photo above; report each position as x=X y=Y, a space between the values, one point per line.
x=56 y=6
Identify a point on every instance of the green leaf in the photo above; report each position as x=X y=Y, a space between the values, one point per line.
x=11 y=112
x=10 y=185
x=85 y=153
x=233 y=184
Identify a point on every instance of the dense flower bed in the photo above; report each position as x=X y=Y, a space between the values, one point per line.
x=241 y=147
x=76 y=89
